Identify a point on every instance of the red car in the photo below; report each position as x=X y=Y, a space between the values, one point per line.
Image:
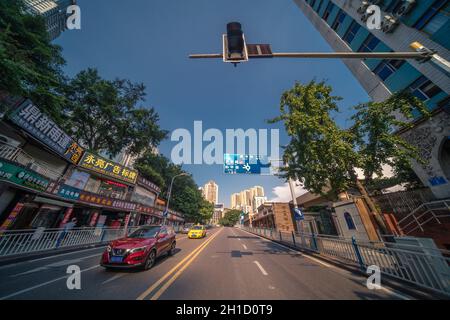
x=140 y=248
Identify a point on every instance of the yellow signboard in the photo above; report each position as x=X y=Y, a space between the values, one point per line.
x=107 y=167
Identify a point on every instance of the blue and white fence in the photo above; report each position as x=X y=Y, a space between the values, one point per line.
x=424 y=267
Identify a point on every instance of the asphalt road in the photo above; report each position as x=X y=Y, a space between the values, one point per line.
x=228 y=264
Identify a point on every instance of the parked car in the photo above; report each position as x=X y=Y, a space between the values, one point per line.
x=186 y=228
x=196 y=232
x=140 y=248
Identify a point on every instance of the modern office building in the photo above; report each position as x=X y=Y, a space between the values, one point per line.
x=211 y=192
x=54 y=12
x=343 y=24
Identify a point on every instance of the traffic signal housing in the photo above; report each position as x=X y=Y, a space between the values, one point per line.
x=234 y=46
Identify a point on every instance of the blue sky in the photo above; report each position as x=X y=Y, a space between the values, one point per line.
x=149 y=42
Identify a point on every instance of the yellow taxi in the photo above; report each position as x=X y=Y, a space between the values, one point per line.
x=197 y=232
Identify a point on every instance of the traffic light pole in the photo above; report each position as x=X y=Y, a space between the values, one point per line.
x=329 y=55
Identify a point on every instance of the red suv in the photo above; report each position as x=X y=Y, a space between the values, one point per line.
x=140 y=248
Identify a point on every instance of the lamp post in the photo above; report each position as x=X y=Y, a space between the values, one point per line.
x=166 y=211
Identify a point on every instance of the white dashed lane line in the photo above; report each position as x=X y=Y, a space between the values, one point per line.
x=260 y=268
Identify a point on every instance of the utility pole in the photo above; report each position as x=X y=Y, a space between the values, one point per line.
x=166 y=211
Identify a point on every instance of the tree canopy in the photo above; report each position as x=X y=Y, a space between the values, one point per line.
x=186 y=197
x=104 y=115
x=30 y=65
x=231 y=218
x=324 y=157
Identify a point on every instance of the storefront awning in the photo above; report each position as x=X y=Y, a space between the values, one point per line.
x=54 y=202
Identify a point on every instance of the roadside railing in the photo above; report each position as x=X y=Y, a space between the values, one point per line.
x=424 y=267
x=16 y=242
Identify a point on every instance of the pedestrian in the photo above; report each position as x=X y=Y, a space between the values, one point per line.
x=67 y=227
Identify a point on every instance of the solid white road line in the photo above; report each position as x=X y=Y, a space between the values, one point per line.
x=42 y=284
x=401 y=296
x=260 y=268
x=49 y=257
x=56 y=264
x=113 y=278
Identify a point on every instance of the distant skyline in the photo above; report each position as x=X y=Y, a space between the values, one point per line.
x=149 y=42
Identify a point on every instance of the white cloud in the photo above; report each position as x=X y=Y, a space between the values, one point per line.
x=283 y=193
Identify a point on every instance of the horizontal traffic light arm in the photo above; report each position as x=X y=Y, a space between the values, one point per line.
x=330 y=55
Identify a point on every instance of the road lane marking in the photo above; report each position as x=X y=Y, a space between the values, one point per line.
x=49 y=257
x=404 y=297
x=179 y=272
x=55 y=265
x=157 y=283
x=43 y=284
x=113 y=278
x=245 y=247
x=260 y=268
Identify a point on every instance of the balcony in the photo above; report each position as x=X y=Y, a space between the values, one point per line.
x=17 y=155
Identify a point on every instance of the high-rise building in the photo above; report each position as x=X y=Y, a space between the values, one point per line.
x=218 y=213
x=54 y=13
x=257 y=201
x=343 y=24
x=211 y=192
x=246 y=199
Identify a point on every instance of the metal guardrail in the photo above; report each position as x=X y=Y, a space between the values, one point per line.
x=425 y=213
x=18 y=242
x=404 y=262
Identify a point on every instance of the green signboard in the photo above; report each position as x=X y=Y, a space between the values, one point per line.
x=23 y=177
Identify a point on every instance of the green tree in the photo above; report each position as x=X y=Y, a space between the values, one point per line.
x=30 y=66
x=324 y=156
x=230 y=218
x=185 y=196
x=104 y=114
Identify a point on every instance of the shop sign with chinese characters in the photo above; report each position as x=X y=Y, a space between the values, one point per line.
x=108 y=202
x=107 y=167
x=23 y=177
x=31 y=119
x=69 y=192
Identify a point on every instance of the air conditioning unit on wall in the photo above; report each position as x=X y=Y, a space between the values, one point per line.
x=405 y=8
x=389 y=24
x=363 y=7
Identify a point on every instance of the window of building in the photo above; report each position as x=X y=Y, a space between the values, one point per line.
x=434 y=17
x=328 y=10
x=349 y=220
x=339 y=20
x=351 y=32
x=424 y=89
x=387 y=67
x=394 y=6
x=369 y=44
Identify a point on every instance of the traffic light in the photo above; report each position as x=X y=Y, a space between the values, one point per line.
x=234 y=46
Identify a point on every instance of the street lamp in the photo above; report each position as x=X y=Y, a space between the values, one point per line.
x=166 y=211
